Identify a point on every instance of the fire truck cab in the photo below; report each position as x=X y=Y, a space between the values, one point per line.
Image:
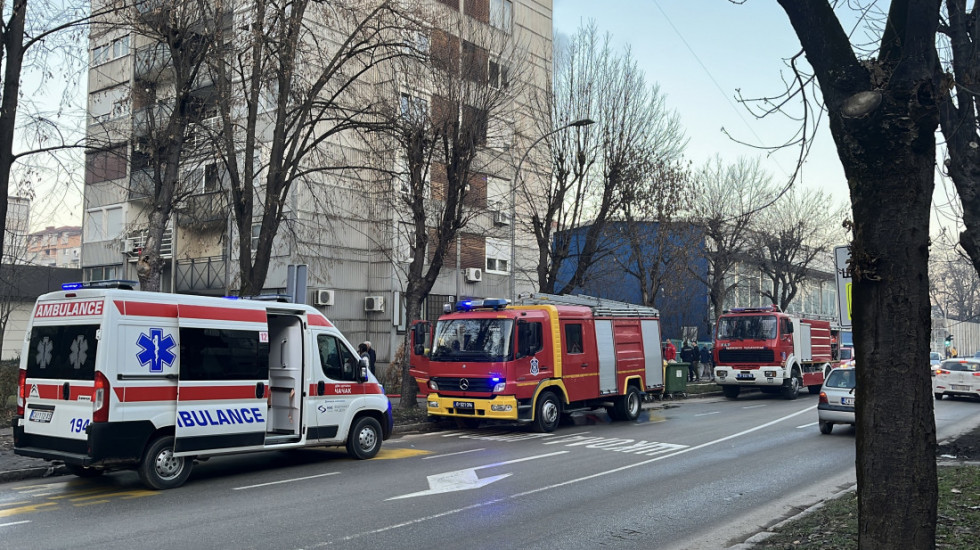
x=774 y=351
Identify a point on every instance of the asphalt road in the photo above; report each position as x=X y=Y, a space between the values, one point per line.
x=699 y=474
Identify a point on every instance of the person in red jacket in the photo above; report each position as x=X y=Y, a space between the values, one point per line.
x=670 y=352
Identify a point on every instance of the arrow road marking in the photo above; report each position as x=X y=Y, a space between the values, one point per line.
x=466 y=479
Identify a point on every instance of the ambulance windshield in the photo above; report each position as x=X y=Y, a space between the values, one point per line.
x=473 y=340
x=65 y=352
x=747 y=327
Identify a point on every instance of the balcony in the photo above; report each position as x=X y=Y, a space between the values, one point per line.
x=201 y=275
x=140 y=184
x=204 y=210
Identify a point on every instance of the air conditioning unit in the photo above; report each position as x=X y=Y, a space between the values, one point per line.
x=324 y=298
x=132 y=245
x=501 y=217
x=374 y=303
x=474 y=274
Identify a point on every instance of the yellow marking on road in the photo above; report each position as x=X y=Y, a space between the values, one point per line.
x=135 y=493
x=91 y=502
x=76 y=494
x=390 y=454
x=6 y=513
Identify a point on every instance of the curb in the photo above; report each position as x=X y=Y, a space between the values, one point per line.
x=50 y=470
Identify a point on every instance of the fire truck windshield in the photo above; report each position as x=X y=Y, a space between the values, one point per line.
x=747 y=327
x=476 y=340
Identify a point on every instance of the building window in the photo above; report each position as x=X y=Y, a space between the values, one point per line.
x=499 y=75
x=498 y=256
x=414 y=109
x=102 y=273
x=256 y=231
x=104 y=224
x=501 y=14
x=110 y=51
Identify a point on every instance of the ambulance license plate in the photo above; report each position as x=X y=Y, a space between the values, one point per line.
x=468 y=405
x=959 y=387
x=847 y=401
x=41 y=416
x=744 y=376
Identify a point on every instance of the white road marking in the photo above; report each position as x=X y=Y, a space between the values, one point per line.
x=452 y=454
x=466 y=479
x=708 y=413
x=284 y=481
x=569 y=482
x=811 y=424
x=12 y=523
x=755 y=406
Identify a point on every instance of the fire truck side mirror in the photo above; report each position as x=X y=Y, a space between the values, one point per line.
x=419 y=349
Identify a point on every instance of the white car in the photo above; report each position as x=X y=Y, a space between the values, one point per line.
x=957 y=377
x=836 y=405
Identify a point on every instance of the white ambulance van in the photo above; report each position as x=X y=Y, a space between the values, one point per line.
x=112 y=378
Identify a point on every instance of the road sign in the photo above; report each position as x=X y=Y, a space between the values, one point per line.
x=842 y=254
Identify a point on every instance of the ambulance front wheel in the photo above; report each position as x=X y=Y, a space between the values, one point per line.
x=160 y=469
x=364 y=439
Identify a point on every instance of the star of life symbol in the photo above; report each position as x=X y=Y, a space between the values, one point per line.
x=79 y=352
x=44 y=348
x=534 y=365
x=156 y=350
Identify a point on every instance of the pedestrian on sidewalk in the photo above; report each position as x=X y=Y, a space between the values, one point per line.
x=707 y=369
x=689 y=356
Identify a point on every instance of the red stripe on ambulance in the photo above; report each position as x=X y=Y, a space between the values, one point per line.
x=319 y=321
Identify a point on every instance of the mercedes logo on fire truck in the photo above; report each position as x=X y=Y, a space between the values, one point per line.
x=464 y=384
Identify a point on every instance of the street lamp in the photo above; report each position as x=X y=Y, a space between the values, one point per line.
x=513 y=199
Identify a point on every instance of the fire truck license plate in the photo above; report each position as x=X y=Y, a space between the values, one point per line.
x=41 y=416
x=744 y=376
x=463 y=404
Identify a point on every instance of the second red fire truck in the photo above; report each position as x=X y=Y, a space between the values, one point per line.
x=776 y=352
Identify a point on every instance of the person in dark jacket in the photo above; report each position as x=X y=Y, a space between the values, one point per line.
x=689 y=355
x=707 y=371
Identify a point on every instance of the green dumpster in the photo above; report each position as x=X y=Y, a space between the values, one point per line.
x=675 y=378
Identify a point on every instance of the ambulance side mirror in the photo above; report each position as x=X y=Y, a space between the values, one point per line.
x=364 y=363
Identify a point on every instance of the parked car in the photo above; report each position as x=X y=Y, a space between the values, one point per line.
x=957 y=377
x=836 y=405
x=935 y=358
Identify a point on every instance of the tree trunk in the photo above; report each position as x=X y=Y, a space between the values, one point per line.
x=13 y=58
x=410 y=389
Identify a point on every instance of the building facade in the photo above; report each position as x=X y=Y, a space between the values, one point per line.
x=343 y=223
x=55 y=247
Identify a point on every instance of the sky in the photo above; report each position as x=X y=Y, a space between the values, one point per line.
x=701 y=52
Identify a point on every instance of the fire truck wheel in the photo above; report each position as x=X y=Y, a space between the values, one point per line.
x=791 y=390
x=628 y=406
x=364 y=439
x=160 y=469
x=85 y=471
x=826 y=428
x=548 y=413
x=731 y=392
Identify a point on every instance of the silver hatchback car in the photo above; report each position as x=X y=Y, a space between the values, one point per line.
x=957 y=377
x=836 y=404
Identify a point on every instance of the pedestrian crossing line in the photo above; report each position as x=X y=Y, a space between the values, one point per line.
x=754 y=406
x=810 y=425
x=7 y=512
x=708 y=413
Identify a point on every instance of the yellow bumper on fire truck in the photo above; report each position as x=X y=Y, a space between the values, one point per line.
x=500 y=407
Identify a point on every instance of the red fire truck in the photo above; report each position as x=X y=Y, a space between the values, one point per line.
x=535 y=361
x=776 y=352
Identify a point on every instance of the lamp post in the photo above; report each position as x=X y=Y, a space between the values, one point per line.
x=513 y=199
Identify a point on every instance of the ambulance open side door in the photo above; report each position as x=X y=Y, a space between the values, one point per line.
x=223 y=379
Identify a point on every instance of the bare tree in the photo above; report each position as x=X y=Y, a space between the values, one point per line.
x=728 y=199
x=35 y=35
x=661 y=243
x=634 y=130
x=793 y=236
x=447 y=136
x=884 y=108
x=292 y=80
x=954 y=286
